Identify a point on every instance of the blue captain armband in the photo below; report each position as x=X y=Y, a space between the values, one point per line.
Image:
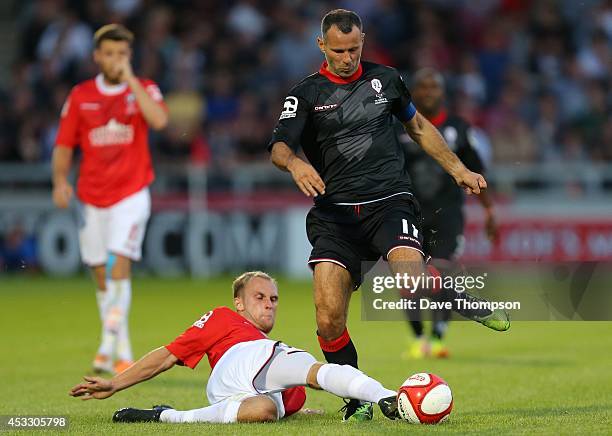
x=409 y=112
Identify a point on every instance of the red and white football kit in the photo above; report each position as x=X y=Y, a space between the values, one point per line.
x=105 y=121
x=242 y=359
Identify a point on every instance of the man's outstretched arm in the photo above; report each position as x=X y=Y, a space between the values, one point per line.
x=152 y=364
x=428 y=137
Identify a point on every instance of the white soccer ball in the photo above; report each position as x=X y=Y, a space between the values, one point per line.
x=424 y=398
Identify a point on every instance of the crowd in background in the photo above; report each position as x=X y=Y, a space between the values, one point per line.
x=535 y=75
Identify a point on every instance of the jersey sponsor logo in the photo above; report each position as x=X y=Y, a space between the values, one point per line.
x=289 y=108
x=113 y=133
x=409 y=238
x=325 y=107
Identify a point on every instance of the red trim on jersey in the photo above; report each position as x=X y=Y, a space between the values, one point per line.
x=335 y=344
x=440 y=118
x=337 y=79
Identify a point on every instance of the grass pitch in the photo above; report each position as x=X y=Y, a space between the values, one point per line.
x=538 y=378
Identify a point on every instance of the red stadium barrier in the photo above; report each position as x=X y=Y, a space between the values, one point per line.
x=543 y=239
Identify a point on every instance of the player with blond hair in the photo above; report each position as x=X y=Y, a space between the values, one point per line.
x=253 y=379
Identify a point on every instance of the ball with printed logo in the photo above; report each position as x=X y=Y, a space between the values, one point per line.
x=424 y=398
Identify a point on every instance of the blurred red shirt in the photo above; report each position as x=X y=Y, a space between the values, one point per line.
x=106 y=122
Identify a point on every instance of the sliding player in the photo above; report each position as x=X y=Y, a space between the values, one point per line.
x=253 y=379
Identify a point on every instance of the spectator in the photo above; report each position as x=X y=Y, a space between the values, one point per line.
x=235 y=59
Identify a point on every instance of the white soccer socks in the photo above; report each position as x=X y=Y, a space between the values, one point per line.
x=348 y=382
x=114 y=307
x=122 y=308
x=104 y=361
x=223 y=412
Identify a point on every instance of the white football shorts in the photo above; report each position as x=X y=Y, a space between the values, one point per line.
x=258 y=367
x=117 y=229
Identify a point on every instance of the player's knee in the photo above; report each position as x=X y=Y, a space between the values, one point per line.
x=330 y=327
x=404 y=254
x=331 y=316
x=406 y=261
x=121 y=268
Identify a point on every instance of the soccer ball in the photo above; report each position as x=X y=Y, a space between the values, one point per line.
x=424 y=399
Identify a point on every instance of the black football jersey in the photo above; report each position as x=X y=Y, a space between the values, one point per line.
x=433 y=187
x=346 y=130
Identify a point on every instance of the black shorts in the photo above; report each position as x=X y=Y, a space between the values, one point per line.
x=351 y=234
x=443 y=231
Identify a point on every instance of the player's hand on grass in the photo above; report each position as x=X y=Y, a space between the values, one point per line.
x=94 y=387
x=306 y=177
x=62 y=193
x=471 y=182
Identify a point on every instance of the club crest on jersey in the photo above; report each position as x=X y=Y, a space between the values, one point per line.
x=380 y=96
x=376 y=85
x=289 y=108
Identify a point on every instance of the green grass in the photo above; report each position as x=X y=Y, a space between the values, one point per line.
x=540 y=377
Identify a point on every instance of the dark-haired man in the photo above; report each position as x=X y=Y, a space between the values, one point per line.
x=441 y=200
x=253 y=378
x=108 y=118
x=342 y=117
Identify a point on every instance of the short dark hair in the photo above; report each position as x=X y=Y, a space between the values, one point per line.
x=343 y=19
x=113 y=32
